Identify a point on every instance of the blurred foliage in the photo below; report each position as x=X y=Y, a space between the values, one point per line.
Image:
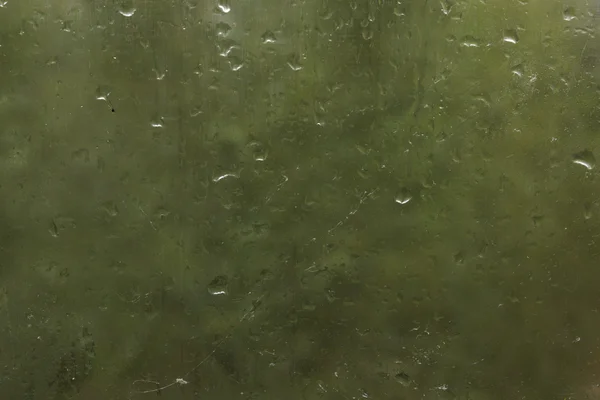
x=329 y=199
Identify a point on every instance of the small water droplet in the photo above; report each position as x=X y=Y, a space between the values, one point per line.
x=469 y=41
x=402 y=378
x=585 y=158
x=53 y=229
x=160 y=75
x=219 y=286
x=110 y=208
x=81 y=156
x=268 y=37
x=226 y=46
x=236 y=63
x=403 y=196
x=157 y=122
x=510 y=36
x=102 y=93
x=569 y=14
x=223 y=29
x=517 y=70
x=259 y=152
x=127 y=11
x=294 y=62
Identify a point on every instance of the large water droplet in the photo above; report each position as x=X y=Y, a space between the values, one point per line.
x=294 y=62
x=569 y=14
x=510 y=36
x=517 y=70
x=102 y=93
x=268 y=37
x=219 y=286
x=157 y=122
x=223 y=29
x=259 y=152
x=223 y=6
x=235 y=63
x=403 y=196
x=585 y=158
x=127 y=11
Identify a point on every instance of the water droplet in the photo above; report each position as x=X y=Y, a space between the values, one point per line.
x=110 y=208
x=517 y=70
x=236 y=63
x=160 y=75
x=102 y=93
x=569 y=14
x=403 y=196
x=294 y=62
x=53 y=229
x=81 y=156
x=585 y=158
x=587 y=211
x=223 y=6
x=268 y=37
x=259 y=152
x=127 y=11
x=469 y=41
x=402 y=378
x=510 y=36
x=220 y=177
x=157 y=122
x=226 y=46
x=223 y=29
x=219 y=286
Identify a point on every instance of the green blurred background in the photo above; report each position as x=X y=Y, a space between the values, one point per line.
x=318 y=199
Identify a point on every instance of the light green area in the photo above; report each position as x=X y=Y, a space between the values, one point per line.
x=299 y=199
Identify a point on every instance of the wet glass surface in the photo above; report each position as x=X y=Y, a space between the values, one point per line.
x=310 y=199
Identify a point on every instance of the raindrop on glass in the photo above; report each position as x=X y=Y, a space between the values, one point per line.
x=569 y=14
x=259 y=152
x=102 y=93
x=223 y=6
x=53 y=229
x=585 y=158
x=517 y=70
x=223 y=29
x=403 y=196
x=510 y=36
x=402 y=378
x=268 y=37
x=235 y=63
x=294 y=62
x=220 y=177
x=110 y=208
x=218 y=286
x=587 y=211
x=157 y=123
x=469 y=41
x=127 y=11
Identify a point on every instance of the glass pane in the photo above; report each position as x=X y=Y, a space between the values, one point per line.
x=318 y=199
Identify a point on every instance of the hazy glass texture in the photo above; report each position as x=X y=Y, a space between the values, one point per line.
x=281 y=199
